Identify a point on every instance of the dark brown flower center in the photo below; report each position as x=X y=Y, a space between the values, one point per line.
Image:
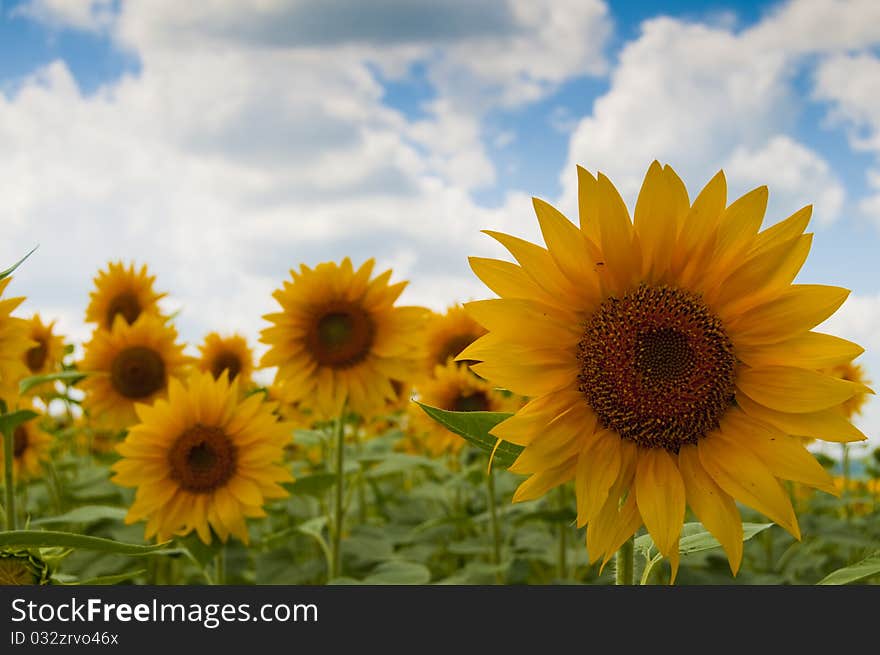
x=202 y=459
x=35 y=357
x=226 y=361
x=127 y=304
x=657 y=367
x=341 y=335
x=473 y=402
x=454 y=346
x=19 y=441
x=138 y=372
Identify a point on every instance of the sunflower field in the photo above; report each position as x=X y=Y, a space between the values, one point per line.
x=639 y=400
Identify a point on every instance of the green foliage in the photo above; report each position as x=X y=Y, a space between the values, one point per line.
x=475 y=427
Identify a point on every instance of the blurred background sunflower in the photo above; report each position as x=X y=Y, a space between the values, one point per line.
x=340 y=340
x=132 y=363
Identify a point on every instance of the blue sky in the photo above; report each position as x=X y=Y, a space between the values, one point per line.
x=223 y=146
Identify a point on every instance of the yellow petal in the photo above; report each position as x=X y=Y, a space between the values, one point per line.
x=616 y=232
x=508 y=280
x=741 y=474
x=791 y=227
x=597 y=469
x=623 y=525
x=797 y=310
x=537 y=263
x=760 y=278
x=588 y=204
x=789 y=389
x=660 y=495
x=574 y=255
x=809 y=350
x=715 y=509
x=697 y=239
x=785 y=456
x=828 y=424
x=540 y=483
x=658 y=212
x=738 y=226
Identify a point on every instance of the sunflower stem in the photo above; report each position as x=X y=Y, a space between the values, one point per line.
x=844 y=464
x=338 y=513
x=220 y=565
x=624 y=563
x=496 y=532
x=8 y=454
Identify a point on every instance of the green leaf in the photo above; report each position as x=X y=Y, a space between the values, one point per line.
x=399 y=572
x=474 y=427
x=70 y=377
x=865 y=569
x=11 y=269
x=695 y=538
x=86 y=514
x=8 y=422
x=49 y=538
x=316 y=484
x=107 y=579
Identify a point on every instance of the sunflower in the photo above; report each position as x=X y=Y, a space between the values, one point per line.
x=456 y=389
x=448 y=334
x=339 y=340
x=30 y=448
x=852 y=373
x=669 y=360
x=230 y=354
x=121 y=291
x=46 y=355
x=14 y=342
x=203 y=460
x=130 y=363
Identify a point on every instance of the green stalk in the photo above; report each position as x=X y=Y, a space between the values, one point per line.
x=220 y=566
x=8 y=454
x=844 y=496
x=496 y=532
x=338 y=513
x=625 y=563
x=562 y=565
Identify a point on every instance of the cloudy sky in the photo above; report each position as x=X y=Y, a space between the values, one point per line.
x=224 y=141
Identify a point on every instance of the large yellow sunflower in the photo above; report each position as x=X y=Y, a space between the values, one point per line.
x=46 y=355
x=448 y=334
x=453 y=388
x=14 y=343
x=852 y=373
x=130 y=363
x=230 y=354
x=669 y=358
x=340 y=340
x=30 y=448
x=121 y=291
x=203 y=460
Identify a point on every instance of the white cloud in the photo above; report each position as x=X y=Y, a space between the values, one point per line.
x=87 y=15
x=851 y=84
x=795 y=175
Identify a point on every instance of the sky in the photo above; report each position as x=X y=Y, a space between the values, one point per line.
x=224 y=142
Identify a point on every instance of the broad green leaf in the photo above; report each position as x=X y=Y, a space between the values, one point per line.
x=474 y=427
x=11 y=269
x=316 y=484
x=695 y=538
x=868 y=567
x=49 y=538
x=85 y=514
x=69 y=377
x=8 y=422
x=399 y=572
